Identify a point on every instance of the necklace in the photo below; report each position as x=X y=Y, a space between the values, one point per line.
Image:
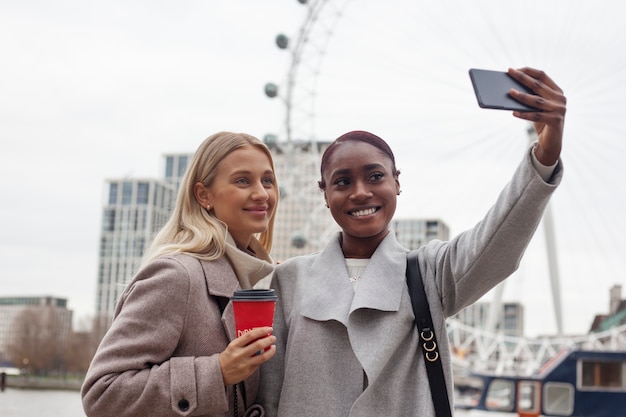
x=356 y=266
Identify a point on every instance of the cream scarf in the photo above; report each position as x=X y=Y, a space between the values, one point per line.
x=250 y=266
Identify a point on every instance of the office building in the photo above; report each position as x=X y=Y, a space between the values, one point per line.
x=13 y=309
x=414 y=233
x=509 y=320
x=134 y=211
x=616 y=316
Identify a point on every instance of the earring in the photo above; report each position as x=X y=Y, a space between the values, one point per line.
x=209 y=207
x=327 y=206
x=399 y=191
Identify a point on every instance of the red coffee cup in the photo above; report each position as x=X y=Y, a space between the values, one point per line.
x=253 y=308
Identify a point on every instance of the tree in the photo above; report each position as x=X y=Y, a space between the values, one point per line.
x=40 y=339
x=83 y=345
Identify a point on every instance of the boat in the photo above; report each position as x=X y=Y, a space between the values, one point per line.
x=580 y=383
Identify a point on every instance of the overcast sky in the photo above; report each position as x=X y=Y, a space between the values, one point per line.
x=96 y=90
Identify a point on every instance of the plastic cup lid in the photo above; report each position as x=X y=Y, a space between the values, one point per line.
x=254 y=294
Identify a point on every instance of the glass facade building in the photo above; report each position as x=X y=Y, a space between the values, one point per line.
x=509 y=318
x=413 y=233
x=134 y=211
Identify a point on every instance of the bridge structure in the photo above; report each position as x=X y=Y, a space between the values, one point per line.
x=482 y=350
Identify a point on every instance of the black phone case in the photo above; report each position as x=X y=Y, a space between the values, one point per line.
x=492 y=90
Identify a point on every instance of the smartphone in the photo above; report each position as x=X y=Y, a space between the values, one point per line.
x=492 y=90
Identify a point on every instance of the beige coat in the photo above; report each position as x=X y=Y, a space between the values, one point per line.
x=160 y=356
x=342 y=352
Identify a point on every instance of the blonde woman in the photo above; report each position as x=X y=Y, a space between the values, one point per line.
x=171 y=349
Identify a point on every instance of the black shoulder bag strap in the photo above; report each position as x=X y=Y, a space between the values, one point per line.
x=428 y=341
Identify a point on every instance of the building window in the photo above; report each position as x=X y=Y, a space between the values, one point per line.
x=127 y=192
x=182 y=165
x=169 y=166
x=144 y=217
x=108 y=222
x=113 y=193
x=142 y=192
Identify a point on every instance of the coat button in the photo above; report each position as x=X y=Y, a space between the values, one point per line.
x=183 y=405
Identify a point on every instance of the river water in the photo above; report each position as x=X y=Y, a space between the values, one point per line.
x=51 y=403
x=40 y=403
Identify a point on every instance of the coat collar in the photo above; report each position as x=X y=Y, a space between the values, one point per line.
x=251 y=267
x=234 y=271
x=237 y=269
x=329 y=294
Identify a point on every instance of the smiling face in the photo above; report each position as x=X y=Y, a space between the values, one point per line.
x=361 y=190
x=243 y=194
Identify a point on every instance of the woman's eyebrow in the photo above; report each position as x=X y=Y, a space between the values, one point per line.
x=369 y=167
x=343 y=171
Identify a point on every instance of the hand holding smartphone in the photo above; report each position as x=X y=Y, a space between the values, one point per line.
x=492 y=90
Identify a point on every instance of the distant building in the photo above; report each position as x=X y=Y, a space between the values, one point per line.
x=134 y=211
x=414 y=233
x=509 y=320
x=617 y=312
x=175 y=168
x=12 y=307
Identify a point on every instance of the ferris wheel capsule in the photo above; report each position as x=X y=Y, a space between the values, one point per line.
x=271 y=90
x=282 y=41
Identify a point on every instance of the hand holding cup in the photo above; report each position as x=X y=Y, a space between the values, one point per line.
x=253 y=308
x=254 y=344
x=246 y=353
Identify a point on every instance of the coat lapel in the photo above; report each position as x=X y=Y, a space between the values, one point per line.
x=382 y=282
x=379 y=321
x=233 y=272
x=329 y=295
x=328 y=292
x=221 y=283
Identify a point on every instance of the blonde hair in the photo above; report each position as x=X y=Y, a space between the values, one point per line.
x=191 y=228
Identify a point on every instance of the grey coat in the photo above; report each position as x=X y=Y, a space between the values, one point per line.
x=160 y=356
x=342 y=352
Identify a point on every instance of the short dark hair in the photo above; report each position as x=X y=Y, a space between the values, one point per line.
x=355 y=136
